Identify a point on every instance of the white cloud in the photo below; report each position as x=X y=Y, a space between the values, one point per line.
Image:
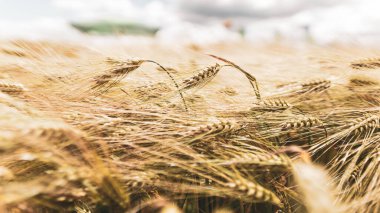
x=249 y=8
x=196 y=34
x=356 y=21
x=327 y=20
x=153 y=12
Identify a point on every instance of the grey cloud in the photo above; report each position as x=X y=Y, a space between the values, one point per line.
x=208 y=8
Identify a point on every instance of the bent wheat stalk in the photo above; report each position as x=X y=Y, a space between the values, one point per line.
x=122 y=69
x=251 y=78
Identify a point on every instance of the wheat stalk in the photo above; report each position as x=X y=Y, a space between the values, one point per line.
x=118 y=157
x=251 y=78
x=120 y=69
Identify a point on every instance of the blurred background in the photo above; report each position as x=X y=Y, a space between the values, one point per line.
x=195 y=21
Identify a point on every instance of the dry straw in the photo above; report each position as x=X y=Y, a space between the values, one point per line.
x=112 y=153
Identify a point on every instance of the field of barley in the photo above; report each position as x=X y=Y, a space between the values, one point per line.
x=189 y=128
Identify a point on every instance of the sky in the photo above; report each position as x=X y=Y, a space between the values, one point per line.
x=201 y=21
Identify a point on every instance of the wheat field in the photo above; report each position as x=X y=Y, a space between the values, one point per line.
x=188 y=128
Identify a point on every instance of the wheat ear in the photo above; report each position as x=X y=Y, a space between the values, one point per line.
x=11 y=87
x=362 y=81
x=368 y=122
x=369 y=63
x=255 y=191
x=201 y=78
x=259 y=160
x=300 y=123
x=315 y=85
x=273 y=105
x=115 y=74
x=213 y=129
